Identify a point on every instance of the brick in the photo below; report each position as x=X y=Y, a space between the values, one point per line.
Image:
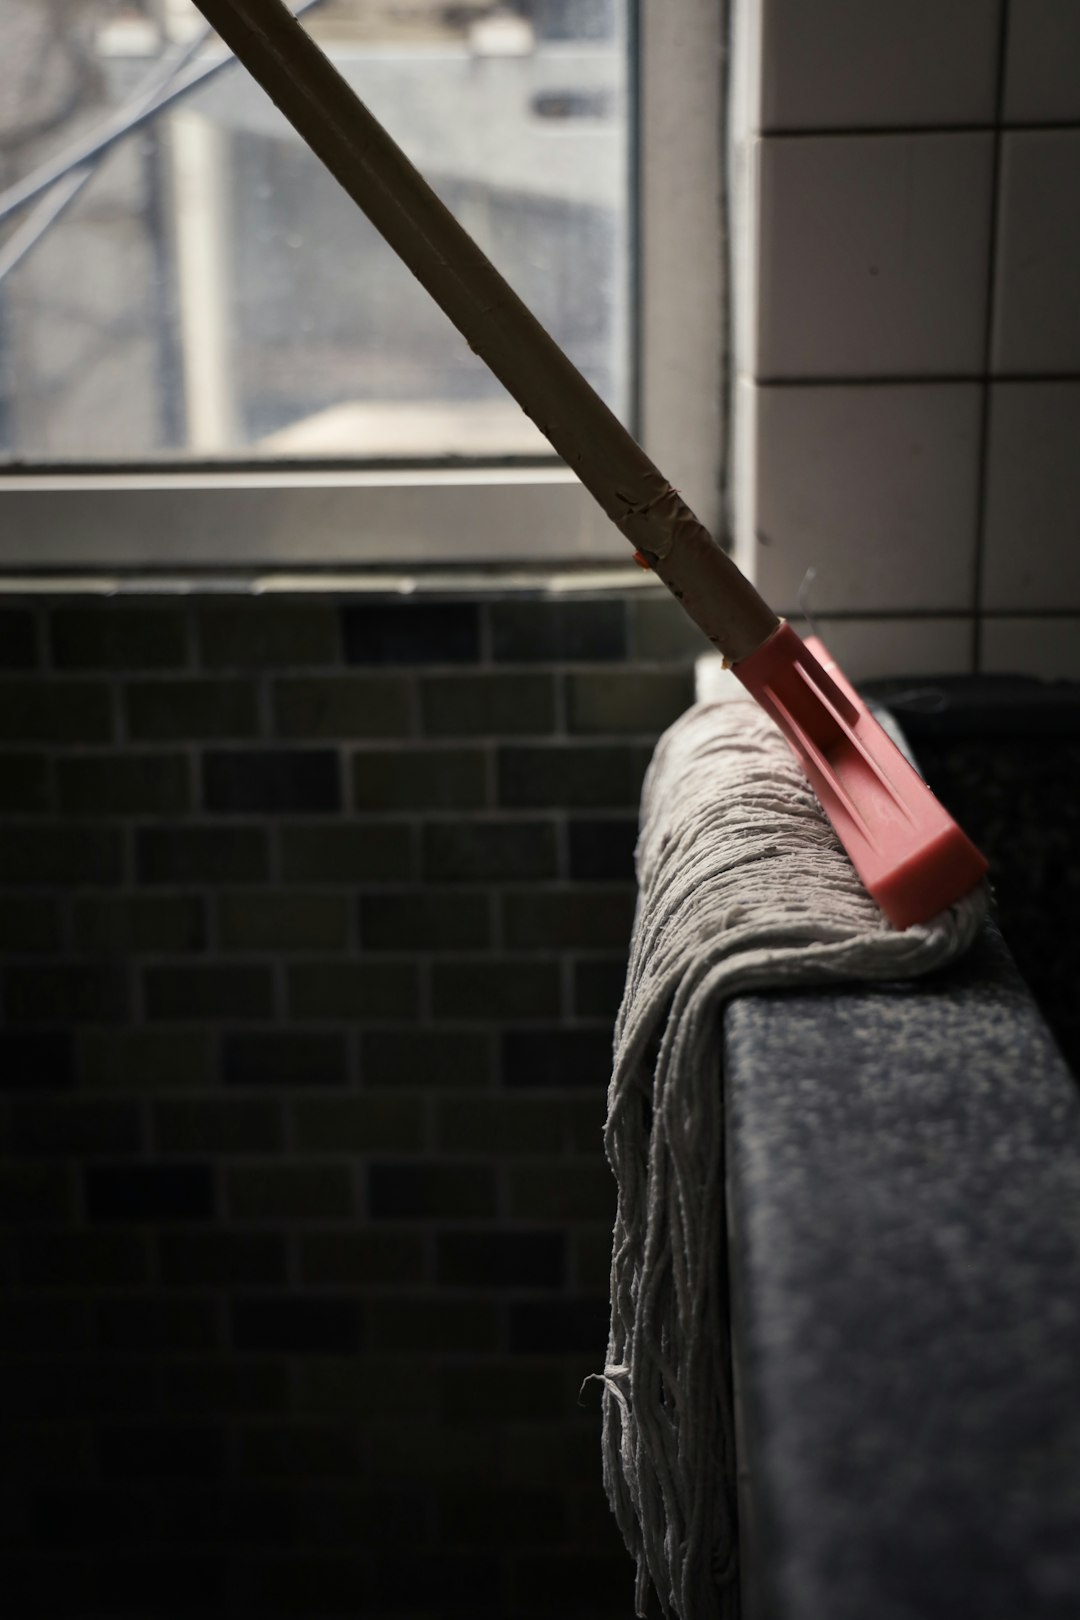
x=284 y=1058
x=497 y=704
x=487 y=850
x=18 y=639
x=76 y=1388
x=502 y=1125
x=229 y=1388
x=79 y=1127
x=150 y=1192
x=123 y=784
x=217 y=1125
x=111 y=637
x=297 y=1451
x=241 y=991
x=404 y=1450
x=24 y=783
x=455 y=1325
x=425 y=920
x=296 y=780
x=443 y=1190
x=556 y=1057
x=424 y=1058
x=581 y=917
x=590 y=1264
x=386 y=1387
x=86 y=1260
x=411 y=632
x=558 y=1454
x=378 y=852
x=162 y=1451
x=357 y=1259
x=268 y=634
x=29 y=923
x=373 y=1123
x=328 y=1517
x=598 y=987
x=584 y=1191
x=221 y=1259
x=419 y=779
x=604 y=1584
x=585 y=1122
x=35 y=1060
x=334 y=989
x=43 y=1325
x=90 y=1516
x=325 y=1324
x=553 y=631
x=36 y=1192
x=65 y=992
x=578 y=776
x=172 y=1325
x=593 y=1524
x=140 y=923
x=481 y=988
x=286 y=920
x=166 y=711
x=502 y=1517
x=446 y=1582
x=283 y=1586
x=644 y=702
x=602 y=849
x=98 y=1582
x=185 y=854
x=344 y=706
x=501 y=1392
x=69 y=856
x=663 y=631
x=56 y=711
x=559 y=1326
x=293 y=1192
x=500 y=1259
x=48 y=1453
x=138 y=1059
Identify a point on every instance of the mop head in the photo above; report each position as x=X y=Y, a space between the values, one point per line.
x=743 y=885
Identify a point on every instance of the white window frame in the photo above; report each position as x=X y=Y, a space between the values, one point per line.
x=190 y=522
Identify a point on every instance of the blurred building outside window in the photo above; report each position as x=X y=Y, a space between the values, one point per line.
x=207 y=354
x=211 y=294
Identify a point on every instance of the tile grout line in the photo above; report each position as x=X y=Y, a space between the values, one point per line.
x=993 y=248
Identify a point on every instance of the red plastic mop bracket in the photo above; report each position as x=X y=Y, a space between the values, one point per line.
x=909 y=852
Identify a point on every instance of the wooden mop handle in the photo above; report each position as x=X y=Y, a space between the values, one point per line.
x=341 y=131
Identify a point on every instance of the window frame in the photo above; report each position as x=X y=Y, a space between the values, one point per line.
x=198 y=520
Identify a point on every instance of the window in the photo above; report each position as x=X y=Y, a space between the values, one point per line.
x=207 y=354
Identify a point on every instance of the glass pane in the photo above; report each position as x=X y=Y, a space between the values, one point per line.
x=209 y=292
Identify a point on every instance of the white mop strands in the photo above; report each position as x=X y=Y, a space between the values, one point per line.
x=743 y=885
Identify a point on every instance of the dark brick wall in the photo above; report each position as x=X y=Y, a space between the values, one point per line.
x=313 y=921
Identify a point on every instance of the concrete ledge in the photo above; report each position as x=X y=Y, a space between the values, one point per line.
x=904 y=1187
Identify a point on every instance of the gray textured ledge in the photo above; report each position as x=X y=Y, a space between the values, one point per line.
x=904 y=1187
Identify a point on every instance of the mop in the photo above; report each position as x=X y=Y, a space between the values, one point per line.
x=787 y=843
x=743 y=885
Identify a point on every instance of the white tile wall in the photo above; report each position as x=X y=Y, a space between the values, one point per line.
x=874 y=487
x=872 y=255
x=866 y=650
x=1047 y=647
x=1042 y=77
x=1037 y=313
x=841 y=64
x=868 y=258
x=1032 y=535
x=869 y=649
